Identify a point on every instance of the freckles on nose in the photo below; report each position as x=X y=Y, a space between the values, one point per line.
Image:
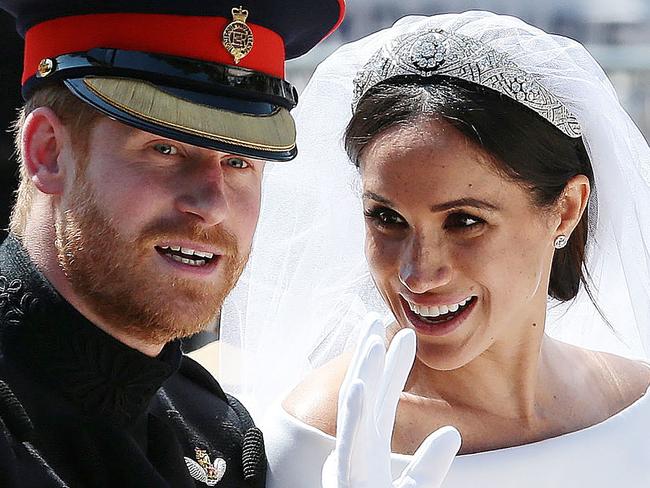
x=424 y=267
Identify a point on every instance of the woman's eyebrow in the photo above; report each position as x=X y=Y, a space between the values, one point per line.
x=377 y=198
x=465 y=202
x=441 y=207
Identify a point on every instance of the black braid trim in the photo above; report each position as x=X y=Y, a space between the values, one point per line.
x=14 y=416
x=254 y=458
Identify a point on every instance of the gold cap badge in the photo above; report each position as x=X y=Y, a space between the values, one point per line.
x=237 y=36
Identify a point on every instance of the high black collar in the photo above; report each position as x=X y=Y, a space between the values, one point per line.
x=42 y=331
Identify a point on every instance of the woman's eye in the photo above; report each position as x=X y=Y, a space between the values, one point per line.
x=166 y=149
x=385 y=217
x=237 y=163
x=462 y=221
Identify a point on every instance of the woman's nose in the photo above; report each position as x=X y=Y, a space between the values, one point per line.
x=424 y=266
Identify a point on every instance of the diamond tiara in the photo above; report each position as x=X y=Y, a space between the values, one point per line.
x=427 y=53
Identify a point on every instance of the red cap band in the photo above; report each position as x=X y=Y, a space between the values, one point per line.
x=176 y=35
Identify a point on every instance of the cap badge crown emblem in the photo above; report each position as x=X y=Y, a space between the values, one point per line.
x=237 y=36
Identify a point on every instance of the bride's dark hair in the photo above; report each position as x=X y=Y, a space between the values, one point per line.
x=523 y=146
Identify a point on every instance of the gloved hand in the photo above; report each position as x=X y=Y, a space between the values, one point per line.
x=366 y=414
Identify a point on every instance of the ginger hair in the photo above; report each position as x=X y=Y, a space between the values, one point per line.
x=78 y=117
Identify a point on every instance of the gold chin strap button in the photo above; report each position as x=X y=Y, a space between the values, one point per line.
x=45 y=67
x=237 y=36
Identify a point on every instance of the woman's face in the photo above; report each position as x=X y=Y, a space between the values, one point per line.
x=460 y=253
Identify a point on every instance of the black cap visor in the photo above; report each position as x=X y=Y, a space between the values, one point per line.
x=220 y=107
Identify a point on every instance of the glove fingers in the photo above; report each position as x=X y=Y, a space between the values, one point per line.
x=399 y=361
x=372 y=326
x=432 y=460
x=348 y=421
x=376 y=324
x=370 y=373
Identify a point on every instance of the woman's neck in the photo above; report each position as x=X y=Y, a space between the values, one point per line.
x=511 y=381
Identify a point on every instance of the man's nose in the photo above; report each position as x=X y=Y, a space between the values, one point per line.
x=204 y=195
x=425 y=265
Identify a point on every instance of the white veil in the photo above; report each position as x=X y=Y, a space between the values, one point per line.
x=307 y=286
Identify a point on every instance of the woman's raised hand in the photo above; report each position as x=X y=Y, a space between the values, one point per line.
x=367 y=405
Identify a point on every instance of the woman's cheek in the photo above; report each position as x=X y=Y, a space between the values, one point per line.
x=381 y=253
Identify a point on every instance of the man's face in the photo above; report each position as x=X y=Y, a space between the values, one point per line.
x=152 y=233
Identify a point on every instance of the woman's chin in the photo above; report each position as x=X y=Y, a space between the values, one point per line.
x=446 y=356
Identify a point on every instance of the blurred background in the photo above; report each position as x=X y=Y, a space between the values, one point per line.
x=616 y=32
x=11 y=46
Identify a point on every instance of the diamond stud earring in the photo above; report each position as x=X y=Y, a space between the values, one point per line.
x=560 y=241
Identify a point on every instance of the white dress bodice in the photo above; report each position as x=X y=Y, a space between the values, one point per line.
x=612 y=453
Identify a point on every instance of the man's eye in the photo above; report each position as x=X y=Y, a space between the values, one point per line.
x=237 y=163
x=166 y=149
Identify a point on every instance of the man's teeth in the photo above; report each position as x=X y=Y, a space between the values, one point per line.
x=188 y=252
x=435 y=311
x=187 y=255
x=191 y=262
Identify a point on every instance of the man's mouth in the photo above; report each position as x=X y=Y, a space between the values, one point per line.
x=442 y=313
x=186 y=255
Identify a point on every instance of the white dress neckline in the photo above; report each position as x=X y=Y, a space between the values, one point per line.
x=613 y=452
x=645 y=398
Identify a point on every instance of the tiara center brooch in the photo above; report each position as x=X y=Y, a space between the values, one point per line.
x=429 y=53
x=237 y=36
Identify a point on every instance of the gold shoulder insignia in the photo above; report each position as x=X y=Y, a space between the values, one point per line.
x=203 y=470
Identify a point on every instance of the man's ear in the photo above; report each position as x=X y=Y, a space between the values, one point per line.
x=573 y=203
x=42 y=141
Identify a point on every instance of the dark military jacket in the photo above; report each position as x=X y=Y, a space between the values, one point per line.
x=80 y=409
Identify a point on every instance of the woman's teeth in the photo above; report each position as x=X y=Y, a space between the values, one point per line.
x=437 y=311
x=186 y=255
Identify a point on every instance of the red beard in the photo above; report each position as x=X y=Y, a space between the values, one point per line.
x=115 y=277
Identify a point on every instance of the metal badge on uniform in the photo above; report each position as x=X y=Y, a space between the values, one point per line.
x=203 y=470
x=237 y=36
x=45 y=67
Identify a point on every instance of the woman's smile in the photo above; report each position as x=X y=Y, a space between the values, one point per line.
x=438 y=320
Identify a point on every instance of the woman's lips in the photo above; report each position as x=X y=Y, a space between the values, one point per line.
x=438 y=329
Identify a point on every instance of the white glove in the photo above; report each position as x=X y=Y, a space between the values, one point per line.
x=366 y=413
